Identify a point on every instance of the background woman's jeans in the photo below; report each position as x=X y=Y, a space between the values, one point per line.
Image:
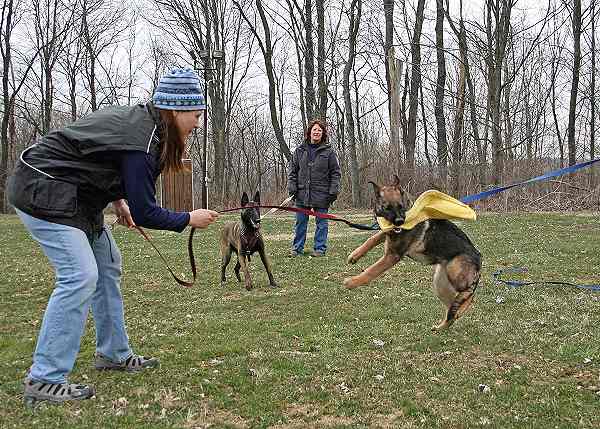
x=88 y=271
x=320 y=232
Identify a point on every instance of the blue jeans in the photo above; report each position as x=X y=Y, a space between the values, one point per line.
x=320 y=244
x=88 y=272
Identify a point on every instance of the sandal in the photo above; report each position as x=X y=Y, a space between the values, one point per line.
x=133 y=363
x=37 y=391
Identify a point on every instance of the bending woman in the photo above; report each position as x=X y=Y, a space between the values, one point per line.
x=60 y=187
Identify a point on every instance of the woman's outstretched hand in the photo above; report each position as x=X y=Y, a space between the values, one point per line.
x=201 y=218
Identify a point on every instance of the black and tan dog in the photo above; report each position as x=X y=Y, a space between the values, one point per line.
x=435 y=242
x=244 y=238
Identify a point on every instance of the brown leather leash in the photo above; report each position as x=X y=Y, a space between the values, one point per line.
x=190 y=254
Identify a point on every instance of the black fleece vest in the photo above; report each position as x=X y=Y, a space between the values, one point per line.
x=70 y=176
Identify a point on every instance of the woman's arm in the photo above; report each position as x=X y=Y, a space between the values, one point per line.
x=138 y=175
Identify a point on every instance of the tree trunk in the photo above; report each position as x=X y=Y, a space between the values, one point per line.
x=593 y=90
x=497 y=37
x=413 y=103
x=464 y=64
x=458 y=135
x=6 y=98
x=575 y=81
x=393 y=74
x=440 y=121
x=322 y=107
x=351 y=138
x=309 y=61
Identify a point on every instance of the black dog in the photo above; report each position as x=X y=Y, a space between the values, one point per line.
x=244 y=238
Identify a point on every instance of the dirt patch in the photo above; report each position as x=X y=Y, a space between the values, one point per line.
x=207 y=417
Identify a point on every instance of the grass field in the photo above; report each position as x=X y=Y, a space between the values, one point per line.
x=315 y=355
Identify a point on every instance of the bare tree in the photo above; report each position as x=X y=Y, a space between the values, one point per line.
x=354 y=14
x=415 y=79
x=442 y=143
x=309 y=61
x=102 y=24
x=9 y=18
x=576 y=26
x=266 y=47
x=321 y=58
x=593 y=85
x=71 y=66
x=53 y=19
x=393 y=73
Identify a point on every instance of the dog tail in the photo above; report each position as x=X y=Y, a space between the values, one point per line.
x=463 y=301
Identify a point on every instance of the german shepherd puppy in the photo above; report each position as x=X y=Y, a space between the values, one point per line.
x=244 y=238
x=457 y=264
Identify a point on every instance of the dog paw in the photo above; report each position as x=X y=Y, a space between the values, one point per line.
x=441 y=327
x=274 y=285
x=350 y=283
x=249 y=286
x=352 y=259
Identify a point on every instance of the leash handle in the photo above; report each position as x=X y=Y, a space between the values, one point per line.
x=190 y=254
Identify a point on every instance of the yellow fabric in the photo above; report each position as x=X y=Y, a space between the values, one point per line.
x=431 y=204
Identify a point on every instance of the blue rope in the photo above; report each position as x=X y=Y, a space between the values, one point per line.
x=518 y=283
x=546 y=176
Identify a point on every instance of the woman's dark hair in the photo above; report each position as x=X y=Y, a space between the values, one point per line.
x=312 y=124
x=172 y=145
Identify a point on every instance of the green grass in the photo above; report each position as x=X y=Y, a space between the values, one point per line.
x=305 y=356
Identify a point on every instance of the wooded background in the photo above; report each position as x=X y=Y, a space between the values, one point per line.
x=459 y=96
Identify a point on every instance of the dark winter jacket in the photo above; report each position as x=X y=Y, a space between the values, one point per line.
x=72 y=173
x=314 y=183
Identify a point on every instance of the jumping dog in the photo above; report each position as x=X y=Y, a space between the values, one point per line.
x=244 y=238
x=456 y=261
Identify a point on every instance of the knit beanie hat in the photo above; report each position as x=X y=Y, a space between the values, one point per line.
x=179 y=90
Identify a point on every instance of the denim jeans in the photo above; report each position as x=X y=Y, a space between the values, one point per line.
x=321 y=230
x=88 y=272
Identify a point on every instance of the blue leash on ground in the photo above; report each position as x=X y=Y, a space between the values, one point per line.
x=546 y=176
x=519 y=283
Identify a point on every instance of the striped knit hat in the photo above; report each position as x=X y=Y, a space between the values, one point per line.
x=179 y=90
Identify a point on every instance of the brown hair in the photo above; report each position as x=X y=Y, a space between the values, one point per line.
x=312 y=124
x=172 y=145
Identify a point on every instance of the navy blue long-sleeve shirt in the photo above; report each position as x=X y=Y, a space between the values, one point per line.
x=139 y=172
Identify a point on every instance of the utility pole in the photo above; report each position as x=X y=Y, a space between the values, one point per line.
x=206 y=55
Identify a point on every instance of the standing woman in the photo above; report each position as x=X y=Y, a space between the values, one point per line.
x=314 y=181
x=60 y=187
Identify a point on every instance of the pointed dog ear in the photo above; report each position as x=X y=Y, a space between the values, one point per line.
x=375 y=188
x=396 y=182
x=245 y=199
x=256 y=198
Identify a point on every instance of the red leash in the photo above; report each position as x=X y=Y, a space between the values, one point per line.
x=310 y=212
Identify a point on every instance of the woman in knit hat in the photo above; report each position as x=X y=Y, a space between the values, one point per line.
x=60 y=187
